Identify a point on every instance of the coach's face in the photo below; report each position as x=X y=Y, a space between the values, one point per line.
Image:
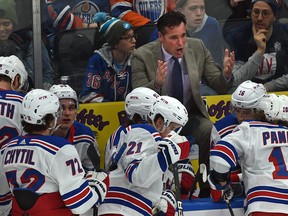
x=174 y=40
x=69 y=111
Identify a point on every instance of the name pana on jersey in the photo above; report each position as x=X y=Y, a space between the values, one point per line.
x=262 y=151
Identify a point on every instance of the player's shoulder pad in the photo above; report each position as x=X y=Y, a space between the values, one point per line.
x=12 y=95
x=56 y=141
x=226 y=121
x=253 y=124
x=82 y=129
x=146 y=127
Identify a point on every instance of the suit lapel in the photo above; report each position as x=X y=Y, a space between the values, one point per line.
x=158 y=51
x=190 y=61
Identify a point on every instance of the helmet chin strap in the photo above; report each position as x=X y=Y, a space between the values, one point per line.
x=179 y=130
x=55 y=127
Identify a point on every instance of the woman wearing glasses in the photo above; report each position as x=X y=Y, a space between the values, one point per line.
x=261 y=47
x=108 y=73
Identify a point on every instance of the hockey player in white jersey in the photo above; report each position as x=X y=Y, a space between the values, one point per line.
x=244 y=100
x=13 y=77
x=137 y=108
x=80 y=135
x=137 y=183
x=45 y=172
x=260 y=147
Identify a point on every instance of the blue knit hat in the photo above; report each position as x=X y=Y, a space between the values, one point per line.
x=273 y=4
x=113 y=30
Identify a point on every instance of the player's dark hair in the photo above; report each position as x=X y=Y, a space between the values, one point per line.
x=32 y=128
x=261 y=117
x=5 y=78
x=181 y=3
x=137 y=118
x=157 y=116
x=170 y=20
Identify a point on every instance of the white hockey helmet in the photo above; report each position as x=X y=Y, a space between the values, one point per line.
x=248 y=94
x=64 y=91
x=37 y=104
x=139 y=101
x=171 y=109
x=275 y=107
x=11 y=66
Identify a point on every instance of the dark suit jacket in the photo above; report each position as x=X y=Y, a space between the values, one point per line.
x=199 y=64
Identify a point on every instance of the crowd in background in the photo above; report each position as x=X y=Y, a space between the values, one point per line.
x=218 y=27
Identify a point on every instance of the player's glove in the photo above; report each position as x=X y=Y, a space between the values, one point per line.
x=169 y=153
x=237 y=183
x=186 y=177
x=182 y=142
x=166 y=205
x=217 y=191
x=99 y=181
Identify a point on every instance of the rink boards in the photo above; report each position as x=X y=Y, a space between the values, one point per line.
x=206 y=207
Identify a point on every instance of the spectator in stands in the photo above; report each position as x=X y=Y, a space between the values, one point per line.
x=265 y=176
x=240 y=8
x=156 y=65
x=108 y=73
x=140 y=12
x=23 y=42
x=261 y=48
x=200 y=25
x=60 y=15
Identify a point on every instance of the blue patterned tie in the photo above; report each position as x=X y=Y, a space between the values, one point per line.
x=177 y=83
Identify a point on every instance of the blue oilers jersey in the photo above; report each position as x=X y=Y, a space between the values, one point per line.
x=85 y=9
